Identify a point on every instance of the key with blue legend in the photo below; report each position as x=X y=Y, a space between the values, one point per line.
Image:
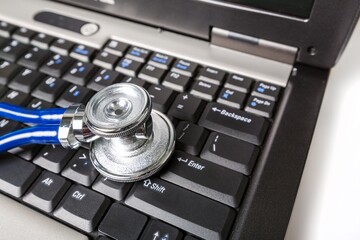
x=184 y=67
x=138 y=54
x=161 y=60
x=74 y=94
x=79 y=73
x=128 y=67
x=260 y=106
x=82 y=53
x=266 y=90
x=231 y=98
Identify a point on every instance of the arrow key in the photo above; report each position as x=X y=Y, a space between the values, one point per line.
x=157 y=230
x=80 y=168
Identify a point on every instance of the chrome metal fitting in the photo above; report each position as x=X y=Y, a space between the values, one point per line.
x=71 y=130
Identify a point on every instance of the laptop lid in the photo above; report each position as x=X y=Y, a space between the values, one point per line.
x=317 y=29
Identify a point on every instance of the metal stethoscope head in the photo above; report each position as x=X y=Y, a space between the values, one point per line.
x=127 y=140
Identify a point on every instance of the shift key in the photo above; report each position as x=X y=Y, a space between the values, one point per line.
x=182 y=208
x=235 y=123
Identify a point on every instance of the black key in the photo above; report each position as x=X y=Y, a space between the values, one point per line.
x=34 y=58
x=260 y=106
x=187 y=107
x=138 y=54
x=190 y=238
x=61 y=46
x=161 y=60
x=80 y=169
x=3 y=41
x=82 y=52
x=104 y=78
x=204 y=90
x=190 y=137
x=56 y=65
x=197 y=175
x=27 y=152
x=231 y=98
x=79 y=73
x=128 y=67
x=16 y=175
x=82 y=208
x=230 y=152
x=115 y=190
x=266 y=90
x=151 y=74
x=211 y=75
x=136 y=81
x=235 y=123
x=3 y=90
x=53 y=158
x=6 y=29
x=175 y=205
x=41 y=40
x=239 y=83
x=23 y=35
x=105 y=60
x=38 y=104
x=49 y=89
x=12 y=50
x=116 y=47
x=185 y=67
x=176 y=81
x=7 y=126
x=74 y=94
x=47 y=191
x=102 y=238
x=122 y=223
x=7 y=71
x=161 y=97
x=16 y=98
x=159 y=230
x=26 y=80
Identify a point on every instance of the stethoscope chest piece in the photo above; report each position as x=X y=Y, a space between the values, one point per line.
x=133 y=141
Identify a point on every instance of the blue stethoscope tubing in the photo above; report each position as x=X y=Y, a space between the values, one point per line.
x=45 y=132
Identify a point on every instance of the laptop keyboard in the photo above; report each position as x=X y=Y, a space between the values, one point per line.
x=221 y=122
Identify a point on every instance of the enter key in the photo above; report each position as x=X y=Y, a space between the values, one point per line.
x=206 y=178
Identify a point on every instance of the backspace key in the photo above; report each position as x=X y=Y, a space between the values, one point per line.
x=235 y=123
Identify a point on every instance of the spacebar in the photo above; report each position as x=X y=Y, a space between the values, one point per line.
x=180 y=207
x=18 y=222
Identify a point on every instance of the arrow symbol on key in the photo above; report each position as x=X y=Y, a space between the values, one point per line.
x=156 y=235
x=215 y=109
x=182 y=160
x=83 y=156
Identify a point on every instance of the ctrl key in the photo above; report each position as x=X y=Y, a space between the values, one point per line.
x=82 y=208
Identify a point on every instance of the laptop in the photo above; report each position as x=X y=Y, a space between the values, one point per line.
x=242 y=82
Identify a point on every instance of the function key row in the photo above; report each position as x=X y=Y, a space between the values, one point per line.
x=156 y=68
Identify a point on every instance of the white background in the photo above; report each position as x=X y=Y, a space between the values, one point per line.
x=328 y=202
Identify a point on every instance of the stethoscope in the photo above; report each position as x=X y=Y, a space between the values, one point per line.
x=127 y=140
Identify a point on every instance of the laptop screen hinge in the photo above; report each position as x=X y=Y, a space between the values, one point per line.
x=252 y=45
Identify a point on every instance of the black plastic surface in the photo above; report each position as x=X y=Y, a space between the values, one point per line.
x=61 y=21
x=324 y=33
x=267 y=207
